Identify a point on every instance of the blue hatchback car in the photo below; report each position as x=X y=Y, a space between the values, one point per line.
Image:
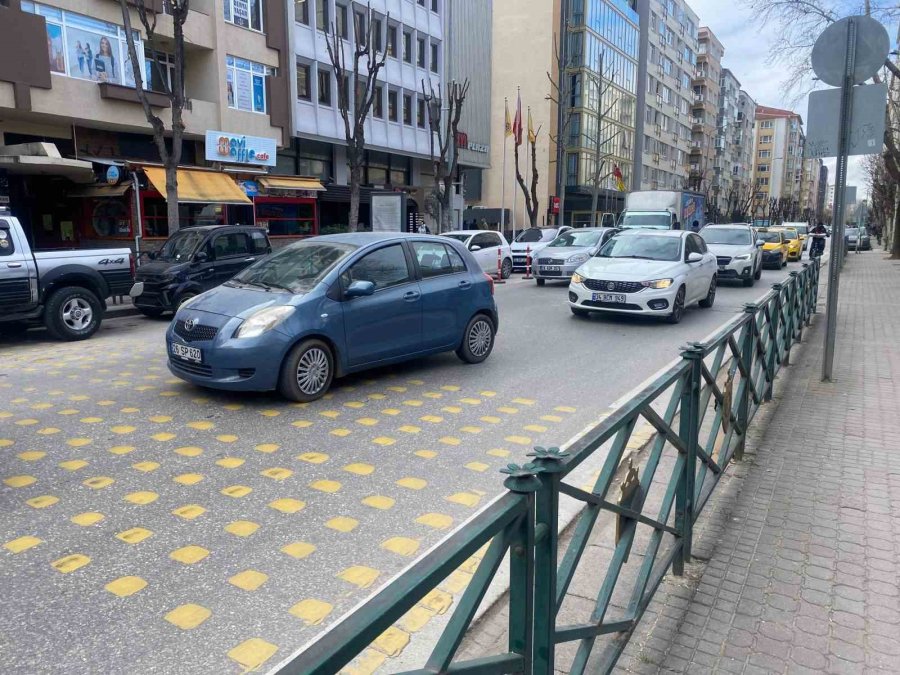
x=332 y=305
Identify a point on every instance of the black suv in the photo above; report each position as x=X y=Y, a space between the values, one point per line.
x=194 y=260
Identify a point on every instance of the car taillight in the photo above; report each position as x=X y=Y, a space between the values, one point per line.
x=491 y=280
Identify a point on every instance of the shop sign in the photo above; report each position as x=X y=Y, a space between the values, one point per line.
x=479 y=147
x=250 y=187
x=113 y=175
x=240 y=149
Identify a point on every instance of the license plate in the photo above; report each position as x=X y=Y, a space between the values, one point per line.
x=721 y=268
x=189 y=353
x=549 y=268
x=608 y=297
x=137 y=289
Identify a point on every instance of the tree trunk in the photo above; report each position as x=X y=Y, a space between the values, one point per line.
x=355 y=181
x=895 y=236
x=172 y=212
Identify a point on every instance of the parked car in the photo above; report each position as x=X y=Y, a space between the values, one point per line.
x=562 y=256
x=489 y=249
x=857 y=239
x=65 y=290
x=333 y=305
x=793 y=243
x=533 y=240
x=658 y=273
x=737 y=250
x=774 y=250
x=802 y=230
x=192 y=261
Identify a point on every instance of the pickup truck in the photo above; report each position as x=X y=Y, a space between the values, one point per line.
x=65 y=290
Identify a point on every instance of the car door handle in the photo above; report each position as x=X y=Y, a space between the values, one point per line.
x=411 y=296
x=249 y=259
x=13 y=264
x=465 y=284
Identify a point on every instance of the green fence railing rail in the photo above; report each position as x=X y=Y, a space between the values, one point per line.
x=699 y=410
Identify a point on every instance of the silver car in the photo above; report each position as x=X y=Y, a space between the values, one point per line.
x=562 y=256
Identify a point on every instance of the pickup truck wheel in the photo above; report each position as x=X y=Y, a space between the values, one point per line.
x=73 y=313
x=152 y=312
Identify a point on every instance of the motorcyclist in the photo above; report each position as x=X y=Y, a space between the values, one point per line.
x=818 y=234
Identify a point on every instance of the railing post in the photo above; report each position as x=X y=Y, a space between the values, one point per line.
x=688 y=430
x=797 y=311
x=748 y=352
x=550 y=461
x=523 y=480
x=813 y=300
x=776 y=356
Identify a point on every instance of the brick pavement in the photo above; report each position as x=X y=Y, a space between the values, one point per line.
x=798 y=566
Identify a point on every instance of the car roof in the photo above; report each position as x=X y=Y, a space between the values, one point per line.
x=209 y=228
x=729 y=226
x=634 y=232
x=366 y=238
x=469 y=232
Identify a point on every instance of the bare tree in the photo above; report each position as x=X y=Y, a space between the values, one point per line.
x=444 y=132
x=530 y=192
x=561 y=97
x=173 y=90
x=603 y=83
x=355 y=103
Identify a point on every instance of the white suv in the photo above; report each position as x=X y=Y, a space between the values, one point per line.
x=738 y=253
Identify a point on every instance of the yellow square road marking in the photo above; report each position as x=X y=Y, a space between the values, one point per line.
x=230 y=462
x=491 y=419
x=438 y=521
x=42 y=502
x=141 y=498
x=426 y=454
x=342 y=524
x=452 y=409
x=450 y=387
x=401 y=546
x=252 y=653
x=564 y=409
x=87 y=519
x=366 y=663
x=188 y=616
x=536 y=428
x=480 y=467
x=242 y=528
x=189 y=511
x=437 y=601
x=464 y=498
x=433 y=419
x=135 y=535
x=161 y=419
x=359 y=469
x=325 y=486
x=70 y=563
x=412 y=483
x=189 y=555
x=22 y=544
x=359 y=575
x=298 y=550
x=267 y=448
x=146 y=467
x=73 y=464
x=277 y=473
x=518 y=440
x=449 y=440
x=227 y=438
x=189 y=451
x=367 y=421
x=125 y=586
x=392 y=641
x=498 y=452
x=188 y=478
x=122 y=429
x=98 y=482
x=163 y=436
x=409 y=429
x=311 y=611
x=31 y=455
x=384 y=441
x=415 y=619
x=302 y=424
x=287 y=505
x=236 y=491
x=507 y=410
x=121 y=449
x=248 y=580
x=390 y=411
x=551 y=418
x=313 y=457
x=340 y=433
x=201 y=425
x=379 y=502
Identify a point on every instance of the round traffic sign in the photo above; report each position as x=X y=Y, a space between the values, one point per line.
x=829 y=53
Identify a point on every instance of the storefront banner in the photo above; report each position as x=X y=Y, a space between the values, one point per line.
x=240 y=149
x=387 y=211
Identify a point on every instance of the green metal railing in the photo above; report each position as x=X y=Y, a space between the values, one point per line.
x=699 y=409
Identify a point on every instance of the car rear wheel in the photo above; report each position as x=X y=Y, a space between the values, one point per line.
x=73 y=313
x=540 y=282
x=478 y=340
x=784 y=262
x=677 y=307
x=710 y=298
x=307 y=372
x=506 y=268
x=758 y=274
x=749 y=282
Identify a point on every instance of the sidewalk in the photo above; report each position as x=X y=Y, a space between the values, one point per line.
x=803 y=543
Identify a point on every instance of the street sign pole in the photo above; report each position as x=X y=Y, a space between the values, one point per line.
x=840 y=203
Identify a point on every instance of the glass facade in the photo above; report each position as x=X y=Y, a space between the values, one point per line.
x=603 y=81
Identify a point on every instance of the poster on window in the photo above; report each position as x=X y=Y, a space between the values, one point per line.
x=241 y=12
x=259 y=93
x=99 y=56
x=55 y=48
x=243 y=90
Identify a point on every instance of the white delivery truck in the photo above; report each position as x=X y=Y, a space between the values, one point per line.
x=663 y=210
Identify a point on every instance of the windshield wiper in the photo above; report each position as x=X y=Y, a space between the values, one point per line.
x=265 y=285
x=636 y=257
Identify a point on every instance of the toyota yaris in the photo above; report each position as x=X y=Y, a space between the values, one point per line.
x=333 y=305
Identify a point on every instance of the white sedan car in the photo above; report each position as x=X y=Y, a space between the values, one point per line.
x=490 y=249
x=657 y=273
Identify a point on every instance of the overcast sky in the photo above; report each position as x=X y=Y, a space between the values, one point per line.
x=746 y=51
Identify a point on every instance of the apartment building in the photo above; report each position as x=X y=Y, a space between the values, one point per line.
x=731 y=184
x=601 y=54
x=666 y=97
x=76 y=152
x=777 y=163
x=704 y=115
x=810 y=188
x=398 y=140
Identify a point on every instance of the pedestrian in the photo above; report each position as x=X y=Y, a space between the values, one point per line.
x=695 y=226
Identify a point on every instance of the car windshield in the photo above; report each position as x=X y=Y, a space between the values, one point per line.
x=576 y=238
x=654 y=221
x=181 y=245
x=802 y=229
x=643 y=247
x=297 y=268
x=531 y=235
x=728 y=237
x=459 y=237
x=791 y=234
x=851 y=231
x=770 y=237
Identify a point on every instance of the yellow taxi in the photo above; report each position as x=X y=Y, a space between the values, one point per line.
x=774 y=250
x=793 y=242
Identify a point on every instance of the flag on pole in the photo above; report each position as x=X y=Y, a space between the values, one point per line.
x=508 y=130
x=517 y=122
x=620 y=182
x=532 y=137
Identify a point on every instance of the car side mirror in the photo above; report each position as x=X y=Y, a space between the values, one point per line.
x=474 y=248
x=359 y=288
x=201 y=257
x=695 y=257
x=760 y=243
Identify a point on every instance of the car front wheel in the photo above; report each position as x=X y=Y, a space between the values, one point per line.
x=307 y=372
x=478 y=340
x=540 y=282
x=577 y=311
x=506 y=268
x=710 y=298
x=677 y=307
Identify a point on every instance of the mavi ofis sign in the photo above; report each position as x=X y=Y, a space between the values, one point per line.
x=240 y=149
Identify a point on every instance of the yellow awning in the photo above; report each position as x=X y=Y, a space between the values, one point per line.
x=291 y=183
x=199 y=187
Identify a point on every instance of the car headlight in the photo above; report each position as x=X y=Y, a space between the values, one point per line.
x=658 y=283
x=577 y=278
x=743 y=256
x=578 y=258
x=264 y=320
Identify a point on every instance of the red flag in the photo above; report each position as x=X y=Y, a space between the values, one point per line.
x=517 y=122
x=620 y=183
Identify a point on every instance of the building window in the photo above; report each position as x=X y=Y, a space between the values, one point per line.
x=160 y=69
x=378 y=102
x=359 y=27
x=420 y=60
x=286 y=217
x=301 y=11
x=572 y=169
x=765 y=154
x=435 y=5
x=343 y=90
x=763 y=168
x=407 y=109
x=762 y=181
x=765 y=139
x=304 y=86
x=244 y=13
x=420 y=113
x=323 y=80
x=407 y=46
x=420 y=2
x=765 y=124
x=434 y=58
x=376 y=35
x=322 y=18
x=246 y=84
x=392 y=106
x=392 y=41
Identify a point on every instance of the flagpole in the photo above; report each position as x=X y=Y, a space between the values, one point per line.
x=528 y=151
x=516 y=168
x=503 y=171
